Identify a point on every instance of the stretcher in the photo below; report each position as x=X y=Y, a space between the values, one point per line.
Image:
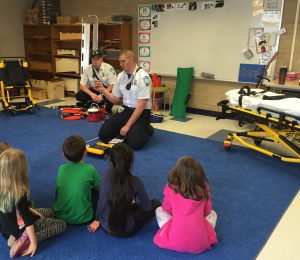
x=15 y=87
x=99 y=149
x=275 y=118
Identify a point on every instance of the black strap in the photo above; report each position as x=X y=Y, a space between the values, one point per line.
x=246 y=91
x=96 y=76
x=283 y=96
x=134 y=75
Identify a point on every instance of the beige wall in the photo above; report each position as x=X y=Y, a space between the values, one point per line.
x=204 y=93
x=12 y=17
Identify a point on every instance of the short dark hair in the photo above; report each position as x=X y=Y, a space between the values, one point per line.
x=74 y=148
x=96 y=53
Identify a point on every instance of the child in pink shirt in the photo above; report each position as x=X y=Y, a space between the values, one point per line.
x=186 y=218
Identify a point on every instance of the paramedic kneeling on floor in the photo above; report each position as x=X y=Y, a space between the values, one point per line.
x=95 y=75
x=132 y=120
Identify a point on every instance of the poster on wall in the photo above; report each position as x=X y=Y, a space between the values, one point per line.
x=208 y=5
x=144 y=37
x=144 y=11
x=158 y=8
x=144 y=51
x=272 y=5
x=262 y=43
x=145 y=24
x=253 y=33
x=145 y=65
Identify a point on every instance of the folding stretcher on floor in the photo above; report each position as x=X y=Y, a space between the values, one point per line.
x=15 y=88
x=276 y=119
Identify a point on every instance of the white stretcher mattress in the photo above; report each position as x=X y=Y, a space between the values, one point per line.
x=290 y=106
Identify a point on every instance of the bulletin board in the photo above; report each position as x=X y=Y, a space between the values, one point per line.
x=211 y=41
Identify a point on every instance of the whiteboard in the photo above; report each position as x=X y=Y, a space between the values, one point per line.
x=209 y=40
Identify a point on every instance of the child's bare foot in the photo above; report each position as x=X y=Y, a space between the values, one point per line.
x=20 y=245
x=10 y=240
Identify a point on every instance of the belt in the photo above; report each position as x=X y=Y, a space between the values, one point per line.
x=130 y=108
x=133 y=108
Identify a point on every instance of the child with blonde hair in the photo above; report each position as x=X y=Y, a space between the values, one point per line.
x=25 y=226
x=186 y=218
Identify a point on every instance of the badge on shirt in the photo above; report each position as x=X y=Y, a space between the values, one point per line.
x=146 y=80
x=112 y=71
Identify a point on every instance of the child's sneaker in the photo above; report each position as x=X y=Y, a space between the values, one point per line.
x=20 y=245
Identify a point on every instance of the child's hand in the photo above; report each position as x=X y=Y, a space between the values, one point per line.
x=94 y=226
x=38 y=214
x=31 y=249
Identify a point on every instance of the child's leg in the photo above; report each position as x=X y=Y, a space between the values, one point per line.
x=48 y=227
x=142 y=217
x=212 y=218
x=95 y=197
x=162 y=217
x=46 y=212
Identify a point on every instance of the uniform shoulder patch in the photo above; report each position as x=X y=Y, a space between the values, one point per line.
x=111 y=69
x=146 y=80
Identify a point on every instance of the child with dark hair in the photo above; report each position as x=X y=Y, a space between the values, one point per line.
x=77 y=184
x=124 y=206
x=186 y=218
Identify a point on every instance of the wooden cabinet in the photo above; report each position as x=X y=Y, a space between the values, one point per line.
x=53 y=51
x=114 y=38
x=66 y=46
x=38 y=51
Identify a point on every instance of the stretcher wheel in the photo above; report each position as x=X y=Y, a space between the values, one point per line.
x=257 y=141
x=30 y=111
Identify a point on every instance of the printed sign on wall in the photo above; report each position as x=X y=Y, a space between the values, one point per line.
x=145 y=11
x=145 y=65
x=144 y=51
x=144 y=37
x=145 y=24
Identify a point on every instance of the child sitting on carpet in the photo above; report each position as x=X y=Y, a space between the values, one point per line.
x=77 y=184
x=185 y=219
x=25 y=226
x=124 y=206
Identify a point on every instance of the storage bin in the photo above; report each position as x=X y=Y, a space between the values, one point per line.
x=71 y=84
x=69 y=36
x=39 y=93
x=67 y=65
x=56 y=89
x=67 y=52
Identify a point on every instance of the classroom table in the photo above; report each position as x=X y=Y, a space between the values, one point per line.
x=289 y=85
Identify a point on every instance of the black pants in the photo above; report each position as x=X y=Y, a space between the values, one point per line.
x=138 y=133
x=83 y=97
x=95 y=198
x=141 y=218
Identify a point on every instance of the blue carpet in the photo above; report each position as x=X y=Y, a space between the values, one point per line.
x=250 y=191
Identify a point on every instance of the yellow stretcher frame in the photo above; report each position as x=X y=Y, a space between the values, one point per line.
x=99 y=149
x=7 y=99
x=282 y=130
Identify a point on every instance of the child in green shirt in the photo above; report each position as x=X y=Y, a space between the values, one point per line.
x=77 y=184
